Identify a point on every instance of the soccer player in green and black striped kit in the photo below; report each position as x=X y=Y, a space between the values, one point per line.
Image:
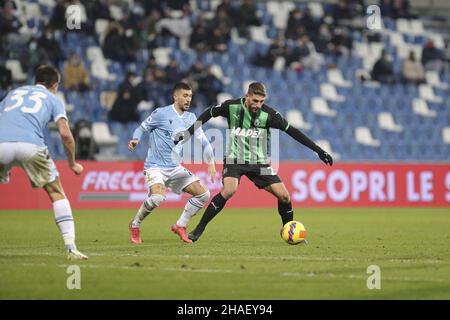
x=249 y=122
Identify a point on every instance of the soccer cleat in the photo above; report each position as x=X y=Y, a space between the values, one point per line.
x=181 y=231
x=195 y=235
x=76 y=255
x=135 y=234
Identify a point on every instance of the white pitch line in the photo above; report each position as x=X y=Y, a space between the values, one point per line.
x=247 y=272
x=226 y=257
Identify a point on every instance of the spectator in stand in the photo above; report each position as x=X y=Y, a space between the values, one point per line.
x=10 y=26
x=120 y=45
x=76 y=77
x=58 y=19
x=209 y=86
x=124 y=108
x=5 y=78
x=342 y=11
x=293 y=24
x=322 y=41
x=342 y=42
x=268 y=59
x=158 y=73
x=34 y=56
x=148 y=90
x=432 y=57
x=412 y=70
x=173 y=72
x=395 y=8
x=246 y=16
x=309 y=23
x=51 y=46
x=383 y=70
x=217 y=41
x=294 y=55
x=199 y=35
x=97 y=9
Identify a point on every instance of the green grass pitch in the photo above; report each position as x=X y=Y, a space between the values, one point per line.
x=240 y=256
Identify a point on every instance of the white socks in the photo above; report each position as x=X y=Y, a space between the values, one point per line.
x=191 y=208
x=64 y=221
x=147 y=206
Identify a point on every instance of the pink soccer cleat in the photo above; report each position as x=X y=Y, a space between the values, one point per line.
x=181 y=231
x=135 y=234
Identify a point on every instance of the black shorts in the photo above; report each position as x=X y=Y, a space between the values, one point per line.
x=261 y=175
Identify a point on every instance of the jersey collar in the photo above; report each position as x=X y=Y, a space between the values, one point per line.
x=175 y=110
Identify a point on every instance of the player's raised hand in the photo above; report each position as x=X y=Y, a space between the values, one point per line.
x=77 y=168
x=325 y=157
x=132 y=144
x=212 y=172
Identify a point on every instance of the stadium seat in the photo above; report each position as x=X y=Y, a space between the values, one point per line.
x=325 y=144
x=107 y=99
x=259 y=34
x=295 y=117
x=16 y=69
x=320 y=107
x=421 y=107
x=335 y=77
x=433 y=80
x=162 y=56
x=69 y=106
x=386 y=122
x=446 y=135
x=328 y=91
x=104 y=140
x=426 y=92
x=101 y=25
x=364 y=136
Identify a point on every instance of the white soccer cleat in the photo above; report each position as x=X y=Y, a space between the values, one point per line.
x=76 y=255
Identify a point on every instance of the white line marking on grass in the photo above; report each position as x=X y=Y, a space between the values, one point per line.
x=354 y=276
x=116 y=254
x=243 y=272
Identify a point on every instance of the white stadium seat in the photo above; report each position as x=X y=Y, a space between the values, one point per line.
x=320 y=107
x=364 y=136
x=386 y=122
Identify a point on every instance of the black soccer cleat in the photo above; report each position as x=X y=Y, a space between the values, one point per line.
x=193 y=236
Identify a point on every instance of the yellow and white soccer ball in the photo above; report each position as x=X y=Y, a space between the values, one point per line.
x=293 y=232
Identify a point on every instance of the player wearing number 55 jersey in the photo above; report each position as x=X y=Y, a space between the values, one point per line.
x=24 y=114
x=249 y=120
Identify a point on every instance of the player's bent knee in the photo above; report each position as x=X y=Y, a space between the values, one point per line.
x=155 y=200
x=228 y=193
x=285 y=198
x=202 y=198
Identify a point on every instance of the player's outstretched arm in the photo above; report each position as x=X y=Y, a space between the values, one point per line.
x=303 y=139
x=69 y=145
x=187 y=134
x=137 y=134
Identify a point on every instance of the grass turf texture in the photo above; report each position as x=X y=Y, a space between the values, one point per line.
x=240 y=256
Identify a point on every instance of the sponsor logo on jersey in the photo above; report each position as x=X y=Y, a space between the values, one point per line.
x=242 y=132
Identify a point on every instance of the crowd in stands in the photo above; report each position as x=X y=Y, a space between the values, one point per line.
x=131 y=38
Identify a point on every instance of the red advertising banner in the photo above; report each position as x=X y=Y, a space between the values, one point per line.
x=122 y=185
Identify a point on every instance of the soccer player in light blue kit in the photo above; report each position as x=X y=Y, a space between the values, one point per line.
x=162 y=166
x=24 y=113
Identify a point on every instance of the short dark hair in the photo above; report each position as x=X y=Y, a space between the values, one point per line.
x=181 y=86
x=257 y=88
x=46 y=75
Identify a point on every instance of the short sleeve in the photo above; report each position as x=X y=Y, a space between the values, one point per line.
x=58 y=109
x=152 y=121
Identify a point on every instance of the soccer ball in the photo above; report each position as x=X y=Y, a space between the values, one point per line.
x=293 y=232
